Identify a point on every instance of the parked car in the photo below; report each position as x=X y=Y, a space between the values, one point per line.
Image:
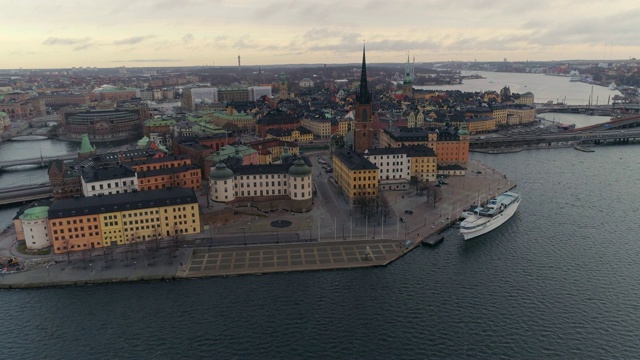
x=410 y=212
x=402 y=220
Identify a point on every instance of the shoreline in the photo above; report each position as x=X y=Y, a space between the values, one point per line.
x=201 y=261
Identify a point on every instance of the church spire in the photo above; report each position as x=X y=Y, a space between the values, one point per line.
x=363 y=96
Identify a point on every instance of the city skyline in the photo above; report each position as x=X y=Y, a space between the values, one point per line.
x=152 y=33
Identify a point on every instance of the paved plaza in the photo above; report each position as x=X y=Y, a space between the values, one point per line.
x=292 y=257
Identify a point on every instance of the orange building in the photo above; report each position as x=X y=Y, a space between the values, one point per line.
x=164 y=172
x=94 y=222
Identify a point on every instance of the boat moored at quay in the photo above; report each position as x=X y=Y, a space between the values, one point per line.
x=491 y=216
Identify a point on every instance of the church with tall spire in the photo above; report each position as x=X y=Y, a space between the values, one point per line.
x=407 y=83
x=363 y=126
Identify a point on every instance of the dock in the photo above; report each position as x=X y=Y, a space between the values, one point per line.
x=432 y=240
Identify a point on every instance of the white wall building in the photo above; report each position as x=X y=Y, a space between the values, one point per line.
x=394 y=167
x=292 y=184
x=108 y=180
x=34 y=225
x=203 y=96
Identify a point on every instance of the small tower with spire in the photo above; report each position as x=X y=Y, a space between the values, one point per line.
x=283 y=92
x=407 y=83
x=363 y=134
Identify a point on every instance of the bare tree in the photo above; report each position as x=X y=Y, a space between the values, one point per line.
x=434 y=195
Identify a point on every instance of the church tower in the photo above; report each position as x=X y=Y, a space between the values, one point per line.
x=407 y=83
x=284 y=88
x=363 y=136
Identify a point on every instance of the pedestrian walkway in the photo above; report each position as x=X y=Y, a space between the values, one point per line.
x=292 y=257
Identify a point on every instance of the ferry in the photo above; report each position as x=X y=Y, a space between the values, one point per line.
x=491 y=216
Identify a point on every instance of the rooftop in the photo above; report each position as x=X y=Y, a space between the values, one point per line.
x=354 y=161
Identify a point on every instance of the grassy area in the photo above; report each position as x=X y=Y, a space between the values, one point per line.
x=22 y=248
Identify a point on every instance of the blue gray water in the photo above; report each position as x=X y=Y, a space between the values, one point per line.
x=559 y=280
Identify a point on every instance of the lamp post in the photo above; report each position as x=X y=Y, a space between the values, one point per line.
x=244 y=235
x=309 y=226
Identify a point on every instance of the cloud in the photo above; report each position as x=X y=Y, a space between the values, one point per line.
x=146 y=60
x=65 y=41
x=187 y=38
x=133 y=40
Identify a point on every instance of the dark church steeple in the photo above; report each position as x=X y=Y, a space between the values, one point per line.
x=363 y=131
x=363 y=96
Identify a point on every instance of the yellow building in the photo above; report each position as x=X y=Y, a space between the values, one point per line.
x=424 y=163
x=97 y=221
x=319 y=127
x=344 y=125
x=480 y=124
x=300 y=134
x=405 y=136
x=354 y=174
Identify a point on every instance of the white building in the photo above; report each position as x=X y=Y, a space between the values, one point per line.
x=107 y=180
x=306 y=83
x=290 y=186
x=394 y=167
x=34 y=225
x=203 y=96
x=256 y=92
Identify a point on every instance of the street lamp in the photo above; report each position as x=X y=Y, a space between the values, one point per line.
x=244 y=235
x=309 y=226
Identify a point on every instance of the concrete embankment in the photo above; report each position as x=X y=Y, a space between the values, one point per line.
x=480 y=183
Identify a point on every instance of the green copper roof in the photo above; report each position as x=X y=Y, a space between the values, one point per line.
x=35 y=213
x=463 y=129
x=2 y=114
x=229 y=151
x=85 y=145
x=159 y=122
x=299 y=168
x=220 y=172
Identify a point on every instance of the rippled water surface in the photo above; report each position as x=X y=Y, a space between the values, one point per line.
x=561 y=280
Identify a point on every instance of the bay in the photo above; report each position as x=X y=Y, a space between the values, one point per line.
x=559 y=280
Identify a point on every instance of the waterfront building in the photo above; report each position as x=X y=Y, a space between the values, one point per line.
x=245 y=154
x=286 y=186
x=453 y=148
x=21 y=106
x=363 y=126
x=64 y=179
x=481 y=124
x=34 y=228
x=105 y=125
x=394 y=167
x=94 y=222
x=107 y=179
x=354 y=174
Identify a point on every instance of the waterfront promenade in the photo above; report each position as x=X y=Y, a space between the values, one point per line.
x=336 y=247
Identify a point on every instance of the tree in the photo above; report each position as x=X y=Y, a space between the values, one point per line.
x=434 y=195
x=385 y=207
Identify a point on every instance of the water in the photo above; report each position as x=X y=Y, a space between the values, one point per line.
x=544 y=88
x=560 y=280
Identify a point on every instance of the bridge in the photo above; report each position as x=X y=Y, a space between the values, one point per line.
x=604 y=110
x=41 y=161
x=24 y=193
x=549 y=139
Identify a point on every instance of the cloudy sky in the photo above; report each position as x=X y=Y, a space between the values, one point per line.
x=135 y=33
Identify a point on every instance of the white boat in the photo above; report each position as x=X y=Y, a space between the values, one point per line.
x=613 y=86
x=491 y=216
x=574 y=76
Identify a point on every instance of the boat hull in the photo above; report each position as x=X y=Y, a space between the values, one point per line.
x=490 y=225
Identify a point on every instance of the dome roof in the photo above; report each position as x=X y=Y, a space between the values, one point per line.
x=220 y=172
x=285 y=154
x=299 y=168
x=35 y=213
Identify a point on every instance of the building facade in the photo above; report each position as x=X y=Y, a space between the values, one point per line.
x=355 y=175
